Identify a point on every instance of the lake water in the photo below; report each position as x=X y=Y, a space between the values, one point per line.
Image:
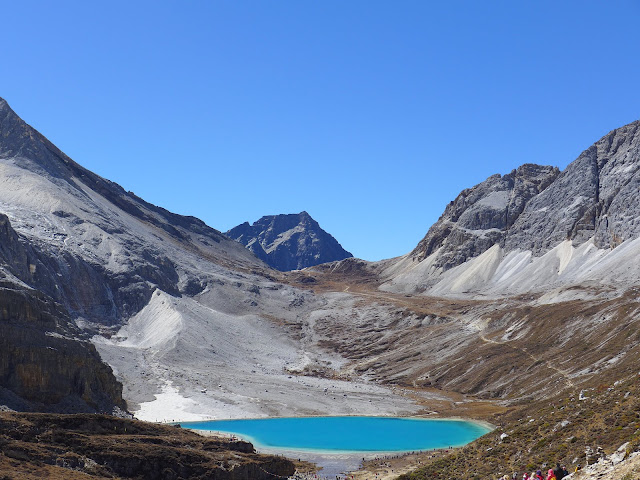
x=348 y=434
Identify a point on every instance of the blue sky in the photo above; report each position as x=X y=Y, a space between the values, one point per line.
x=370 y=115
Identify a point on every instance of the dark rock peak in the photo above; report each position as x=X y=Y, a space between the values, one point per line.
x=289 y=241
x=536 y=207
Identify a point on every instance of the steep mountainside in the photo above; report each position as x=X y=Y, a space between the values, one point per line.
x=596 y=197
x=535 y=227
x=483 y=215
x=289 y=242
x=97 y=249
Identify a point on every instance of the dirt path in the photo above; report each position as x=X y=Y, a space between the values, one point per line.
x=389 y=468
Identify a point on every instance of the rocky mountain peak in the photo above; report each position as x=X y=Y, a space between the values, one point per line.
x=289 y=241
x=480 y=216
x=596 y=196
x=592 y=205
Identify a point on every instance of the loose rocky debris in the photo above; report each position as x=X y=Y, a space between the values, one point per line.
x=621 y=465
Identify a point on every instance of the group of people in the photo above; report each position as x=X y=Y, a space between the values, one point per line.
x=557 y=473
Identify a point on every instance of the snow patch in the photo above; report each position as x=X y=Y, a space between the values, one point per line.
x=168 y=406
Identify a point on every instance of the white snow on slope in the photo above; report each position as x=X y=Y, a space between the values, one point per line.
x=168 y=406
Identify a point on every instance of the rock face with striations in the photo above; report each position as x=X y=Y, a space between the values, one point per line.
x=535 y=208
x=597 y=196
x=44 y=363
x=483 y=215
x=289 y=242
x=44 y=366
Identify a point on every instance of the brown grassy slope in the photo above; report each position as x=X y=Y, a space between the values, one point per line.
x=100 y=446
x=508 y=349
x=558 y=430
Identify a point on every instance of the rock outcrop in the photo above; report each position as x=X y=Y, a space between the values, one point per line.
x=98 y=446
x=289 y=242
x=483 y=215
x=44 y=365
x=597 y=196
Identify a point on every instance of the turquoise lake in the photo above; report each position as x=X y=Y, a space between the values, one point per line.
x=348 y=434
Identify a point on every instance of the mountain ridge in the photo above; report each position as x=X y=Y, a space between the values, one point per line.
x=558 y=216
x=58 y=164
x=50 y=198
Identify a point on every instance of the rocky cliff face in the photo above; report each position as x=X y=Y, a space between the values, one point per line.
x=289 y=242
x=44 y=366
x=483 y=215
x=534 y=209
x=44 y=363
x=597 y=196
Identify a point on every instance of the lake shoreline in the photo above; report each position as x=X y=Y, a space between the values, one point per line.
x=431 y=440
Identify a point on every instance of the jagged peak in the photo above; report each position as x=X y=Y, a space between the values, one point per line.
x=290 y=241
x=512 y=209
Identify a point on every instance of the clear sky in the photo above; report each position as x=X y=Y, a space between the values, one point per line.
x=369 y=115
